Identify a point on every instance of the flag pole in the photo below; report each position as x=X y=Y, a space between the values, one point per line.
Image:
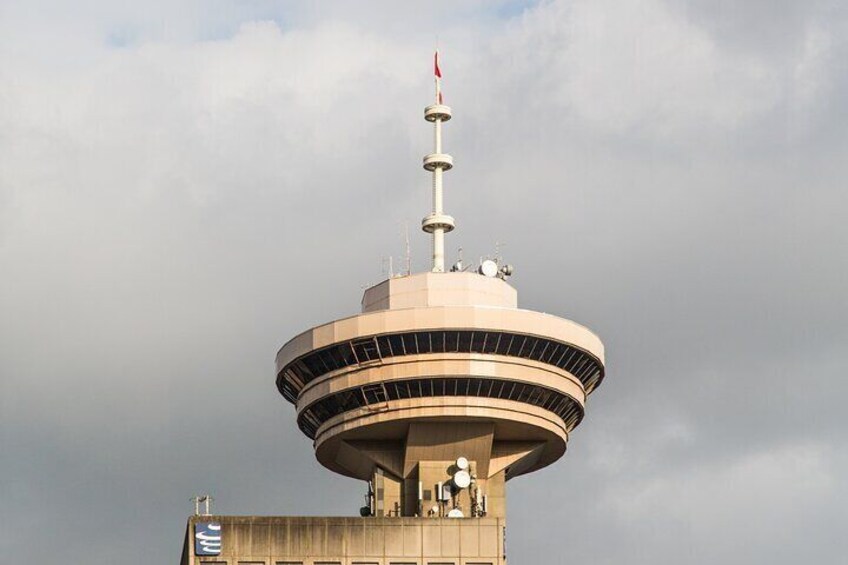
x=438 y=77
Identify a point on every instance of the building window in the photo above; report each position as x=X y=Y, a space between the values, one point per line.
x=568 y=409
x=583 y=365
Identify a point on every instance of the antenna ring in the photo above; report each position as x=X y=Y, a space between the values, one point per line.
x=435 y=161
x=438 y=221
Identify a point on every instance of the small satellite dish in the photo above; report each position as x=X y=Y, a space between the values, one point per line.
x=462 y=479
x=462 y=463
x=456 y=513
x=488 y=268
x=434 y=509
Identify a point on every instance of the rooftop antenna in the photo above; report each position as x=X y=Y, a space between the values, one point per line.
x=458 y=267
x=408 y=249
x=437 y=222
x=202 y=498
x=504 y=270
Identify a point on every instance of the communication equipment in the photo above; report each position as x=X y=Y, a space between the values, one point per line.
x=204 y=499
x=462 y=479
x=462 y=464
x=456 y=513
x=488 y=268
x=447 y=491
x=506 y=271
x=443 y=491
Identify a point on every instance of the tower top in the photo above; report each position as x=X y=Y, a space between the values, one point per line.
x=437 y=222
x=441 y=389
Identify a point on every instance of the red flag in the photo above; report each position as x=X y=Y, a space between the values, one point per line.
x=438 y=72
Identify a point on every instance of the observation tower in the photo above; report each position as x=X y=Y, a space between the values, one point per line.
x=442 y=389
x=439 y=392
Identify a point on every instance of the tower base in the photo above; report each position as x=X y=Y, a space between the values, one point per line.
x=276 y=540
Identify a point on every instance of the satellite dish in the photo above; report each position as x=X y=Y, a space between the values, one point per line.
x=462 y=479
x=456 y=513
x=488 y=268
x=434 y=509
x=462 y=463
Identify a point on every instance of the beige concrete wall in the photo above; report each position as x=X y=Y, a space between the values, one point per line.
x=439 y=289
x=388 y=494
x=352 y=541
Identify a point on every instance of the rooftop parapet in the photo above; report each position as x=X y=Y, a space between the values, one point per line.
x=424 y=290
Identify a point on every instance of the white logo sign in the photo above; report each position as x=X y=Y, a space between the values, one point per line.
x=207 y=539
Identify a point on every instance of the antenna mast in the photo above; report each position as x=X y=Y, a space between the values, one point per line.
x=437 y=222
x=408 y=249
x=205 y=499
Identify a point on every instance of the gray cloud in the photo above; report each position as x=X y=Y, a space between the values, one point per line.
x=182 y=188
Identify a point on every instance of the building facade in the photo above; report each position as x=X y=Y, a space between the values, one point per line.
x=270 y=540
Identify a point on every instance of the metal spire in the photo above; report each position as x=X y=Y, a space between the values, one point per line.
x=437 y=222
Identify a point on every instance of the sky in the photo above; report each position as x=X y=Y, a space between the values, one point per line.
x=185 y=185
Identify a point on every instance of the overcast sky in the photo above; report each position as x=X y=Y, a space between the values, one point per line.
x=186 y=185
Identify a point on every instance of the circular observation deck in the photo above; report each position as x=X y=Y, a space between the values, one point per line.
x=439 y=347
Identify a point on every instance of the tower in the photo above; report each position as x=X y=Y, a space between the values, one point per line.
x=441 y=380
x=437 y=394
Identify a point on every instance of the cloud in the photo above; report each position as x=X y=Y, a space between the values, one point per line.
x=728 y=511
x=185 y=186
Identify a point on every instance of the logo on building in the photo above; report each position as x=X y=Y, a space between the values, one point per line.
x=207 y=539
